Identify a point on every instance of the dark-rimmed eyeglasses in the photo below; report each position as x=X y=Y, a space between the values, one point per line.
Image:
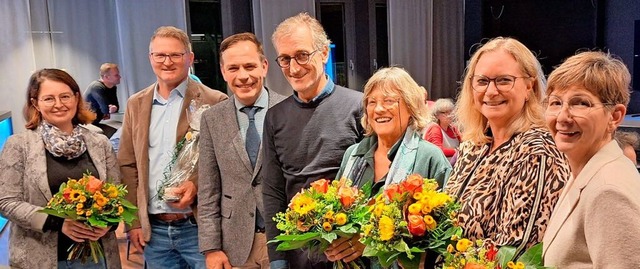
x=161 y=57
x=503 y=83
x=579 y=106
x=50 y=100
x=300 y=57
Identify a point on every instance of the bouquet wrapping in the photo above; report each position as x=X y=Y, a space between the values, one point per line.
x=184 y=161
x=95 y=203
x=482 y=254
x=408 y=218
x=320 y=214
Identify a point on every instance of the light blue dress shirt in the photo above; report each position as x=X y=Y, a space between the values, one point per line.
x=165 y=114
x=243 y=120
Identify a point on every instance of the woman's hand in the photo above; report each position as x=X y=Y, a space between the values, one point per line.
x=80 y=232
x=345 y=249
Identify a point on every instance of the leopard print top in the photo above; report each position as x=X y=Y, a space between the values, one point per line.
x=507 y=195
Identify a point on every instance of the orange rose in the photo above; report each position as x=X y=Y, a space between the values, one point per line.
x=393 y=192
x=416 y=225
x=347 y=196
x=320 y=185
x=94 y=184
x=473 y=265
x=413 y=183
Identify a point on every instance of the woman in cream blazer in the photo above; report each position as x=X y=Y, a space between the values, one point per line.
x=596 y=221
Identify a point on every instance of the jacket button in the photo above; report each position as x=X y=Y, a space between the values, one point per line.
x=251 y=214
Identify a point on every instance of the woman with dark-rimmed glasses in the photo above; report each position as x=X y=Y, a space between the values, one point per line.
x=509 y=173
x=596 y=221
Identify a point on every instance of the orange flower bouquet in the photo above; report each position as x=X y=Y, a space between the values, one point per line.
x=463 y=253
x=320 y=214
x=94 y=202
x=408 y=218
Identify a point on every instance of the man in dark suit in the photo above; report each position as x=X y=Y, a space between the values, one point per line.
x=230 y=210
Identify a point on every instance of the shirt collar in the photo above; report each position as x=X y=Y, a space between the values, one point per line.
x=326 y=91
x=180 y=90
x=261 y=102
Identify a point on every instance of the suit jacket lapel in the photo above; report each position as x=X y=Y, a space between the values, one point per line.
x=40 y=173
x=238 y=141
x=96 y=153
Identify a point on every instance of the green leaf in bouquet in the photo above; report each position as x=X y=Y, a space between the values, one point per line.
x=53 y=212
x=128 y=216
x=346 y=230
x=294 y=241
x=126 y=204
x=329 y=237
x=408 y=263
x=506 y=254
x=367 y=188
x=95 y=222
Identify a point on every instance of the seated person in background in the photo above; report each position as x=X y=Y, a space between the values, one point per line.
x=628 y=142
x=102 y=94
x=440 y=131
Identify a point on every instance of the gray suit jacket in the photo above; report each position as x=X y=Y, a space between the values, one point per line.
x=24 y=189
x=228 y=191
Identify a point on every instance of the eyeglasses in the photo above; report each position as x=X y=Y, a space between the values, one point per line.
x=387 y=103
x=161 y=57
x=503 y=83
x=579 y=106
x=50 y=100
x=300 y=57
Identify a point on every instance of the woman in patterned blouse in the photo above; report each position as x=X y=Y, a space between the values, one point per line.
x=509 y=173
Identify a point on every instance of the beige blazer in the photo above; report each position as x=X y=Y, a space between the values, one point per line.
x=229 y=188
x=24 y=189
x=596 y=223
x=133 y=154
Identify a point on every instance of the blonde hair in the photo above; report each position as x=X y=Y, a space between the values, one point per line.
x=106 y=67
x=290 y=24
x=172 y=32
x=599 y=73
x=397 y=80
x=474 y=122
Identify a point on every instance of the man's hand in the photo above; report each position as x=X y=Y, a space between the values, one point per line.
x=345 y=249
x=217 y=260
x=187 y=192
x=106 y=116
x=135 y=237
x=113 y=109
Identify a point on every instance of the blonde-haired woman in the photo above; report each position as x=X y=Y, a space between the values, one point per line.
x=595 y=224
x=509 y=173
x=392 y=148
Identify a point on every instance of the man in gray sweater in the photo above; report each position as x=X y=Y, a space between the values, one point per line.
x=305 y=135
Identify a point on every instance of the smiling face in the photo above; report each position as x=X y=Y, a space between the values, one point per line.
x=170 y=72
x=581 y=137
x=501 y=107
x=244 y=70
x=306 y=79
x=387 y=114
x=59 y=114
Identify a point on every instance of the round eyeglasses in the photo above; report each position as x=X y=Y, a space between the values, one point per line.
x=503 y=83
x=161 y=57
x=387 y=103
x=50 y=100
x=579 y=106
x=300 y=57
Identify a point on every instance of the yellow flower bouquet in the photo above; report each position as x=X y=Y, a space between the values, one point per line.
x=95 y=203
x=408 y=218
x=320 y=214
x=463 y=253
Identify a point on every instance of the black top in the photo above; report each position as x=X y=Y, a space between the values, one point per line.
x=303 y=143
x=59 y=170
x=100 y=97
